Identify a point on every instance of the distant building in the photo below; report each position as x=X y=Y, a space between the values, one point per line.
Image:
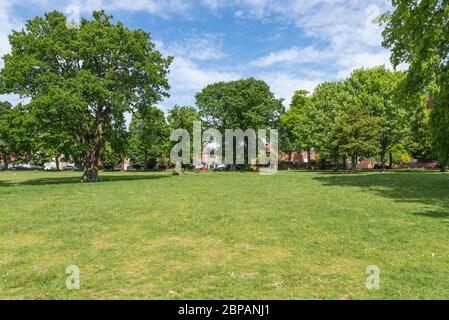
x=299 y=158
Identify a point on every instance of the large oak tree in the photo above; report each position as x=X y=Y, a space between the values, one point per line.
x=83 y=80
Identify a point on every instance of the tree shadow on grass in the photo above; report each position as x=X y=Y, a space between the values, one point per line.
x=424 y=187
x=76 y=180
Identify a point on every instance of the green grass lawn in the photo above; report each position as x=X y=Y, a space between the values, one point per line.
x=294 y=235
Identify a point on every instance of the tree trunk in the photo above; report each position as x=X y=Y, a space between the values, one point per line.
x=391 y=160
x=57 y=163
x=5 y=162
x=93 y=158
x=90 y=168
x=309 y=166
x=444 y=164
x=354 y=163
x=382 y=160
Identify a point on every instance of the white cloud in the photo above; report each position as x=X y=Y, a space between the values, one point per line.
x=185 y=75
x=7 y=24
x=292 y=55
x=283 y=85
x=345 y=37
x=239 y=14
x=163 y=8
x=362 y=60
x=201 y=47
x=186 y=78
x=345 y=30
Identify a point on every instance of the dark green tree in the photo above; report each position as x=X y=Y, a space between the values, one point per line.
x=375 y=90
x=419 y=142
x=91 y=76
x=293 y=129
x=243 y=104
x=356 y=134
x=439 y=119
x=417 y=33
x=149 y=138
x=182 y=117
x=5 y=133
x=328 y=101
x=15 y=133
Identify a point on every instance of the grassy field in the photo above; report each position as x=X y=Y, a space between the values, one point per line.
x=294 y=235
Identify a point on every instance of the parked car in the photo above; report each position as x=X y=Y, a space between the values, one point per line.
x=21 y=167
x=432 y=165
x=222 y=167
x=200 y=166
x=72 y=168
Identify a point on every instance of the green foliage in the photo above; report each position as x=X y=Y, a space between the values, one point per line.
x=367 y=91
x=110 y=156
x=243 y=104
x=5 y=133
x=149 y=137
x=182 y=117
x=355 y=134
x=15 y=132
x=417 y=33
x=300 y=99
x=440 y=126
x=375 y=91
x=329 y=100
x=293 y=132
x=82 y=81
x=419 y=143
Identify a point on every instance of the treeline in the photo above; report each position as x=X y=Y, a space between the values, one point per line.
x=81 y=82
x=242 y=104
x=367 y=116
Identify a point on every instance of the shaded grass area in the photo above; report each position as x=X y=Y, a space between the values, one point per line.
x=422 y=187
x=295 y=235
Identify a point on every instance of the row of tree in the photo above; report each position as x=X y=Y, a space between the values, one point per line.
x=366 y=115
x=80 y=83
x=241 y=104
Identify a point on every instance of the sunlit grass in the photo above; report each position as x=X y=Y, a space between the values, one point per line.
x=294 y=235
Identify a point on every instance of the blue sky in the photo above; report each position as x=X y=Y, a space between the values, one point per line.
x=291 y=44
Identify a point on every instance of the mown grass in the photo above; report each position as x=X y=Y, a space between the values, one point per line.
x=295 y=235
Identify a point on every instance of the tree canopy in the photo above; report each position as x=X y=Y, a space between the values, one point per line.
x=417 y=33
x=149 y=137
x=294 y=128
x=242 y=104
x=81 y=81
x=375 y=90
